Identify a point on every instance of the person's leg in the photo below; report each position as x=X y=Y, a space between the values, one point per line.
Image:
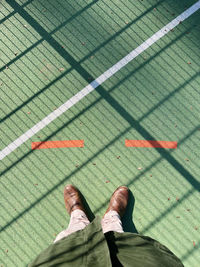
x=116 y=209
x=78 y=221
x=75 y=208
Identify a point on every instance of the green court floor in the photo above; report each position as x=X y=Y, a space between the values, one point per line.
x=50 y=51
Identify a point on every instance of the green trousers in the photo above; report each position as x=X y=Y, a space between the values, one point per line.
x=90 y=247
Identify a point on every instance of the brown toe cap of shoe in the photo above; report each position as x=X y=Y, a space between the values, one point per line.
x=119 y=200
x=73 y=199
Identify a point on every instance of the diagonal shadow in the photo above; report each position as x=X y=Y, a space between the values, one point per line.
x=190 y=252
x=134 y=123
x=168 y=210
x=136 y=178
x=14 y=12
x=104 y=94
x=84 y=164
x=86 y=57
x=79 y=62
x=51 y=33
x=146 y=135
x=166 y=98
x=60 y=182
x=73 y=17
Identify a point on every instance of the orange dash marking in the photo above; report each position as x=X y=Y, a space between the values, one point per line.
x=151 y=143
x=57 y=144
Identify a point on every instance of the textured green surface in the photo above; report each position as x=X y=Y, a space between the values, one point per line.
x=52 y=49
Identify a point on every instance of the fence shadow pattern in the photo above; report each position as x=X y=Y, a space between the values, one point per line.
x=50 y=51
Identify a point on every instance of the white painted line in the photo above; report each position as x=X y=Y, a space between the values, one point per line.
x=102 y=78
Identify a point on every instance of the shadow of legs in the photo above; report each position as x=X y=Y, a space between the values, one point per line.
x=127 y=222
x=89 y=213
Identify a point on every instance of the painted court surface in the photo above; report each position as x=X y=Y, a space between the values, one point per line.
x=109 y=92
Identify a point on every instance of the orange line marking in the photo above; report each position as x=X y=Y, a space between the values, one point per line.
x=57 y=144
x=151 y=143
